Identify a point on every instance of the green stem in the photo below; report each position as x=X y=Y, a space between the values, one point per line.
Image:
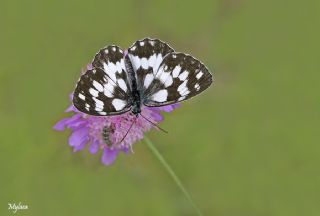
x=171 y=173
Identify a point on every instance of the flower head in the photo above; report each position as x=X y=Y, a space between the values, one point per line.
x=110 y=134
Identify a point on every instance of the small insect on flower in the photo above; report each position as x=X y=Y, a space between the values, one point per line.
x=106 y=131
x=121 y=94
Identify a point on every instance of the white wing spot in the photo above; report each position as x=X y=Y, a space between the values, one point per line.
x=135 y=60
x=183 y=76
x=199 y=75
x=118 y=104
x=81 y=96
x=102 y=113
x=108 y=89
x=148 y=79
x=174 y=56
x=119 y=67
x=152 y=43
x=157 y=63
x=169 y=81
x=113 y=48
x=197 y=87
x=186 y=92
x=182 y=87
x=99 y=103
x=182 y=98
x=176 y=71
x=97 y=85
x=123 y=66
x=87 y=106
x=93 y=92
x=98 y=108
x=133 y=48
x=152 y=60
x=144 y=63
x=141 y=43
x=122 y=85
x=106 y=51
x=159 y=72
x=160 y=96
x=163 y=76
x=110 y=69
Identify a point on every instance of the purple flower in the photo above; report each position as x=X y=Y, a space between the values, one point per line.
x=88 y=131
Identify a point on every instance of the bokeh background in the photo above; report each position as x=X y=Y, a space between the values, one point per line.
x=247 y=146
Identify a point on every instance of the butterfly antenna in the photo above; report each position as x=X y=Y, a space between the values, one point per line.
x=154 y=124
x=127 y=132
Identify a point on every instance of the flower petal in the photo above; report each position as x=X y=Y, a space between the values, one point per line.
x=157 y=116
x=72 y=122
x=169 y=108
x=71 y=108
x=79 y=136
x=94 y=147
x=62 y=124
x=82 y=144
x=126 y=150
x=71 y=96
x=109 y=156
x=89 y=67
x=76 y=122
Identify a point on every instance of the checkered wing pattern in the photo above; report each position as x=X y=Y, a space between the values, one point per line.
x=179 y=77
x=104 y=90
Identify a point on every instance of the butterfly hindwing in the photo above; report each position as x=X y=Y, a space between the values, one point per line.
x=146 y=56
x=104 y=90
x=179 y=77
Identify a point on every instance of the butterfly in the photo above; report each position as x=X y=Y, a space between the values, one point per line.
x=150 y=73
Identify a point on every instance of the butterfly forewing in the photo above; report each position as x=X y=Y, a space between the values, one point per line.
x=110 y=60
x=179 y=77
x=104 y=90
x=146 y=56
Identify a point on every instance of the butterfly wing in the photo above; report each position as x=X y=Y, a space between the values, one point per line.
x=104 y=90
x=179 y=77
x=146 y=56
x=111 y=61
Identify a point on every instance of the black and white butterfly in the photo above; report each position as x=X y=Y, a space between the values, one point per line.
x=150 y=73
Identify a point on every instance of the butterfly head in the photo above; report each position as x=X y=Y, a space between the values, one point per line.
x=136 y=109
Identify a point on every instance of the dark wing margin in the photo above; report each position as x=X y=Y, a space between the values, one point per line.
x=179 y=77
x=146 y=56
x=104 y=90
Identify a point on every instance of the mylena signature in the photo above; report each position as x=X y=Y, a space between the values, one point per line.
x=14 y=207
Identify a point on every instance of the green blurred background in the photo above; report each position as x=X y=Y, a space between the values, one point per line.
x=247 y=146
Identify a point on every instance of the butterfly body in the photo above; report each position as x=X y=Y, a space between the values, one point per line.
x=135 y=94
x=149 y=74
